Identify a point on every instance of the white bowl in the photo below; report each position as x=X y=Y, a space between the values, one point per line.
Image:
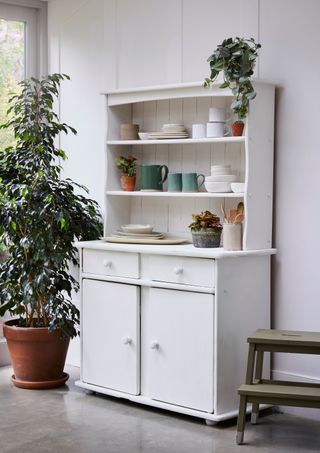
x=137 y=228
x=220 y=170
x=217 y=186
x=221 y=178
x=143 y=135
x=237 y=187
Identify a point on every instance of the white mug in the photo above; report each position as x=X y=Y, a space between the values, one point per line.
x=198 y=130
x=217 y=129
x=217 y=115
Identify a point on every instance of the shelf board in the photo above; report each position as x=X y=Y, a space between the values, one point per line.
x=181 y=141
x=139 y=193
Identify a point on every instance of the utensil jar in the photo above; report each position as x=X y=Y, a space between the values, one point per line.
x=232 y=236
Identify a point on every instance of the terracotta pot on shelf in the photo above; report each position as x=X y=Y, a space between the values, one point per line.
x=127 y=183
x=237 y=128
x=37 y=355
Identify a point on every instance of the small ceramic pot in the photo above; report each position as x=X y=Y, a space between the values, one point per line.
x=206 y=238
x=237 y=129
x=127 y=183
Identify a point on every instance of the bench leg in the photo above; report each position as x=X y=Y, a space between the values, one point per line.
x=250 y=364
x=241 y=419
x=257 y=376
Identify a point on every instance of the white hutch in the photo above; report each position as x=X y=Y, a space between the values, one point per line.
x=166 y=325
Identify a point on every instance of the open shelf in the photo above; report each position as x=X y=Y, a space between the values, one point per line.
x=139 y=193
x=182 y=141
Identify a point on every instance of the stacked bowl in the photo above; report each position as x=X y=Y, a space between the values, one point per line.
x=220 y=179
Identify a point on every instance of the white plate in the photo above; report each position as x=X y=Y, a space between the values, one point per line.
x=137 y=228
x=154 y=235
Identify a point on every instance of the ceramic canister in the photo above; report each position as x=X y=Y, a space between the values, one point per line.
x=217 y=129
x=217 y=115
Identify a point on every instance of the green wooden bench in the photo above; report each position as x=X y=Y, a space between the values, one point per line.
x=261 y=391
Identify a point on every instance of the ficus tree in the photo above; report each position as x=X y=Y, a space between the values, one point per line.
x=41 y=214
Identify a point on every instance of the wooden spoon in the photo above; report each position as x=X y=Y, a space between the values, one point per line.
x=239 y=213
x=240 y=208
x=225 y=217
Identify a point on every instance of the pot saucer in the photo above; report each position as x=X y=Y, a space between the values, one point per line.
x=40 y=384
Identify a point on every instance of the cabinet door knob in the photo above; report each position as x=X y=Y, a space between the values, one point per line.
x=126 y=340
x=107 y=263
x=178 y=270
x=154 y=345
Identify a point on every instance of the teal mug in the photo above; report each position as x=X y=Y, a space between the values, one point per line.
x=190 y=182
x=174 y=182
x=153 y=176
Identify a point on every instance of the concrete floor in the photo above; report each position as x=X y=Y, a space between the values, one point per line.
x=67 y=420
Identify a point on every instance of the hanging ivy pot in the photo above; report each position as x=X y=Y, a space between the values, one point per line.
x=206 y=238
x=237 y=128
x=37 y=355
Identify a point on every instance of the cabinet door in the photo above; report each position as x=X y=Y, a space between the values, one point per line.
x=178 y=347
x=110 y=335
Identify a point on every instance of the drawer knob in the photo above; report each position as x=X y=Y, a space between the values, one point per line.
x=154 y=345
x=178 y=270
x=107 y=263
x=127 y=340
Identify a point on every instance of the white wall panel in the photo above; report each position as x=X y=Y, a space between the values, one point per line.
x=81 y=102
x=148 y=42
x=206 y=23
x=288 y=57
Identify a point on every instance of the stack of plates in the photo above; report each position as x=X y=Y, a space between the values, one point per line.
x=137 y=231
x=170 y=131
x=153 y=235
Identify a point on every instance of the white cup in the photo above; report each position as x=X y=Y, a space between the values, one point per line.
x=198 y=130
x=217 y=115
x=217 y=129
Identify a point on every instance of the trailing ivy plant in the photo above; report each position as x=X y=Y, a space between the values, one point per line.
x=236 y=58
x=40 y=214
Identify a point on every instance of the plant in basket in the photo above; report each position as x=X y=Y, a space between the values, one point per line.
x=41 y=216
x=206 y=230
x=235 y=58
x=128 y=171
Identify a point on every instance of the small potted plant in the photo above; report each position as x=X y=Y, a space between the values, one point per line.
x=128 y=171
x=236 y=58
x=206 y=230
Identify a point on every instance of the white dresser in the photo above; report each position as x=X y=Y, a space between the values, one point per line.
x=166 y=325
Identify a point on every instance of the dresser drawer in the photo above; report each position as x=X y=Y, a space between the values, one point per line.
x=179 y=269
x=117 y=264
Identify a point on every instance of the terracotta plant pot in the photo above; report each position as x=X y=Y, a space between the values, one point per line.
x=128 y=183
x=37 y=355
x=206 y=238
x=237 y=128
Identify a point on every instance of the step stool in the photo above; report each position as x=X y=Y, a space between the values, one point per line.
x=283 y=393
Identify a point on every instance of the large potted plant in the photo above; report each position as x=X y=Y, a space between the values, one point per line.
x=41 y=215
x=206 y=230
x=235 y=58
